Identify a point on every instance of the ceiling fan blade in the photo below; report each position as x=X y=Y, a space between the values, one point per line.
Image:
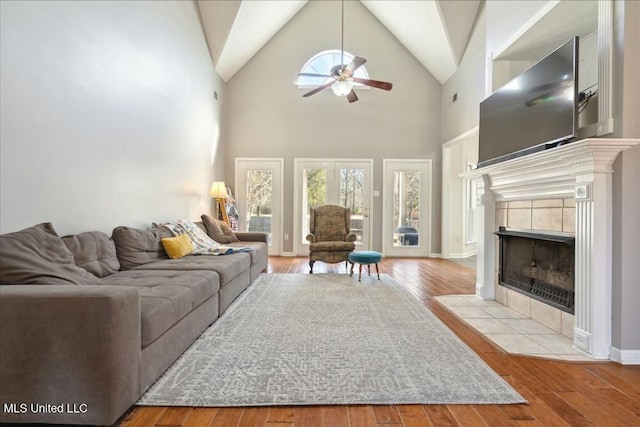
x=355 y=63
x=374 y=83
x=314 y=75
x=318 y=89
x=352 y=97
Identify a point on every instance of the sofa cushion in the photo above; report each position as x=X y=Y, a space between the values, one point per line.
x=259 y=252
x=136 y=247
x=38 y=256
x=94 y=251
x=228 y=267
x=178 y=247
x=166 y=296
x=219 y=230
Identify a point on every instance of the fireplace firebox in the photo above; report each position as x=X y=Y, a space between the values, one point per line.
x=540 y=265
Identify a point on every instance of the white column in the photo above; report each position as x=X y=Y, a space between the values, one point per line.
x=592 y=332
x=486 y=264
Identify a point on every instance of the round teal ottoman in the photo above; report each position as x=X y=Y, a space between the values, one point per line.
x=365 y=258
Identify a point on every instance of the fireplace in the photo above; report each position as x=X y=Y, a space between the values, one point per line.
x=581 y=171
x=540 y=265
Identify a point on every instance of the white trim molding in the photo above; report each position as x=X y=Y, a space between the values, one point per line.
x=625 y=357
x=581 y=170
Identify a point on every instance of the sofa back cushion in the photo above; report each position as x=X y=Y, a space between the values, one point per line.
x=219 y=230
x=94 y=251
x=38 y=256
x=136 y=247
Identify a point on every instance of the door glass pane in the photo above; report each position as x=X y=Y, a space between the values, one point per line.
x=352 y=197
x=314 y=195
x=259 y=196
x=406 y=208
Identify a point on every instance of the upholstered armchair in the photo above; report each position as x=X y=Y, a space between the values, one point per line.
x=330 y=239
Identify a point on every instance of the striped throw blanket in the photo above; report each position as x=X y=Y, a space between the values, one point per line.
x=203 y=244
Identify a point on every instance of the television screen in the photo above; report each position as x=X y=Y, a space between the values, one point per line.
x=532 y=112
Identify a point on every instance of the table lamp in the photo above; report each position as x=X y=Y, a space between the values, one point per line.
x=219 y=192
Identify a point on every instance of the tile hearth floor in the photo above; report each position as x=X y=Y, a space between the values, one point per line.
x=510 y=330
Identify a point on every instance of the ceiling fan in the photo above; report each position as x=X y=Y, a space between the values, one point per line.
x=342 y=77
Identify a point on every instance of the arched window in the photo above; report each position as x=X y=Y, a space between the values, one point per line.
x=322 y=63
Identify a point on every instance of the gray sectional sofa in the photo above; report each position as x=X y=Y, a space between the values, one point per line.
x=88 y=322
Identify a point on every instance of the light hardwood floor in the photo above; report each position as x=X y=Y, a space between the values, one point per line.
x=559 y=393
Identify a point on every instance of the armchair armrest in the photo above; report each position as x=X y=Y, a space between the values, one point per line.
x=350 y=237
x=79 y=346
x=251 y=236
x=311 y=238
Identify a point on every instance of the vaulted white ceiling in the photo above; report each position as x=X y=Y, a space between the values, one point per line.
x=434 y=31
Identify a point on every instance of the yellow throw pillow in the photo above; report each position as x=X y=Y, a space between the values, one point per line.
x=178 y=246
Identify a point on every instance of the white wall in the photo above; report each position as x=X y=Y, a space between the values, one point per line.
x=268 y=117
x=461 y=143
x=468 y=83
x=107 y=113
x=504 y=18
x=626 y=197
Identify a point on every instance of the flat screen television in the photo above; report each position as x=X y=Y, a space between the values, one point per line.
x=535 y=111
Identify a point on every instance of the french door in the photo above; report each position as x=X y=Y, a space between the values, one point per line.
x=339 y=182
x=406 y=208
x=259 y=189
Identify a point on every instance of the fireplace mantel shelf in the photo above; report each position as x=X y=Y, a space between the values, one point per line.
x=550 y=173
x=582 y=171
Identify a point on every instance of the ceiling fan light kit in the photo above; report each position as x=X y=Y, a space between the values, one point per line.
x=342 y=76
x=342 y=88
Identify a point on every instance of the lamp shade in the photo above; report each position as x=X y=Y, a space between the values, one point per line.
x=218 y=190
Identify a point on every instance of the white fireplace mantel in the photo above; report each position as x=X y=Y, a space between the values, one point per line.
x=581 y=170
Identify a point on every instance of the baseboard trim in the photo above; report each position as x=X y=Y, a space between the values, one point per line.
x=462 y=255
x=288 y=254
x=624 y=357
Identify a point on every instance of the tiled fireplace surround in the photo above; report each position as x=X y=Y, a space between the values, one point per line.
x=568 y=189
x=539 y=215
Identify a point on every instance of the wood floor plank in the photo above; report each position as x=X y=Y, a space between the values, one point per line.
x=467 y=416
x=361 y=416
x=538 y=409
x=200 y=417
x=307 y=416
x=386 y=414
x=145 y=416
x=632 y=405
x=413 y=416
x=494 y=416
x=227 y=417
x=608 y=403
x=618 y=377
x=334 y=416
x=517 y=412
x=280 y=414
x=592 y=411
x=173 y=416
x=612 y=389
x=563 y=409
x=252 y=417
x=439 y=415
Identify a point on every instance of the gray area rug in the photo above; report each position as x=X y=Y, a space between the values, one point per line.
x=298 y=339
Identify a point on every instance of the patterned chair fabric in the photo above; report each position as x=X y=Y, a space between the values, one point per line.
x=330 y=239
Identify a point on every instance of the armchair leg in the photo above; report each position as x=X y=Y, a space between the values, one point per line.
x=311 y=267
